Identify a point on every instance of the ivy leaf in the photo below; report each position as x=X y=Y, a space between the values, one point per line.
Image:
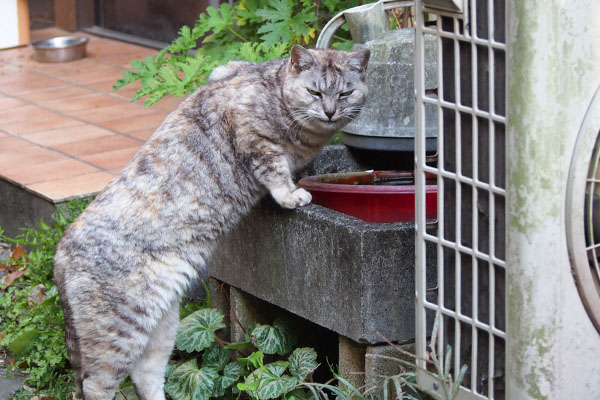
x=272 y=383
x=255 y=359
x=249 y=330
x=239 y=346
x=232 y=372
x=276 y=339
x=302 y=362
x=215 y=357
x=298 y=394
x=197 y=330
x=188 y=382
x=271 y=387
x=170 y=369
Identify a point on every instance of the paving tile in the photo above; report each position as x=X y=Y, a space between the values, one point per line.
x=24 y=113
x=142 y=134
x=127 y=92
x=15 y=152
x=168 y=103
x=55 y=121
x=12 y=73
x=15 y=54
x=10 y=103
x=151 y=121
x=97 y=145
x=63 y=92
x=123 y=59
x=58 y=70
x=93 y=71
x=103 y=114
x=102 y=48
x=62 y=189
x=70 y=105
x=8 y=69
x=27 y=82
x=106 y=86
x=57 y=153
x=75 y=133
x=113 y=161
x=59 y=169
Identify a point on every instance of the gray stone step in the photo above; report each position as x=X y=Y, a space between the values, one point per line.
x=9 y=385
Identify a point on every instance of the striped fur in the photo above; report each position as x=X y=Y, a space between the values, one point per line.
x=123 y=265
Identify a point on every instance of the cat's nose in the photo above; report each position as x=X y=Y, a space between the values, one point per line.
x=330 y=114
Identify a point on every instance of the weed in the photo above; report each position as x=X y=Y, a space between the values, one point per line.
x=31 y=319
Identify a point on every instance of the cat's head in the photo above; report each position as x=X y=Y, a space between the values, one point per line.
x=325 y=89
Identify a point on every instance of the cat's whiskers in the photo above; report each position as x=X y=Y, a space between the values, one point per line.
x=300 y=118
x=350 y=113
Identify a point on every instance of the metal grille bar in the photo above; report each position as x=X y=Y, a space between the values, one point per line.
x=468 y=241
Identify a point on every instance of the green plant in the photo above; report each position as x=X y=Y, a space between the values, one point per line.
x=31 y=320
x=404 y=385
x=214 y=370
x=211 y=368
x=251 y=30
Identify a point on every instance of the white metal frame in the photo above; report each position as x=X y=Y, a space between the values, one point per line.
x=583 y=182
x=426 y=238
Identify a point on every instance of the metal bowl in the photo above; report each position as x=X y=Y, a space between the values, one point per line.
x=60 y=49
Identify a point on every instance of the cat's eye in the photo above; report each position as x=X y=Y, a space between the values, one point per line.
x=313 y=92
x=346 y=94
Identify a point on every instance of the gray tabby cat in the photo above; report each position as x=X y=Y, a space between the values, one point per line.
x=123 y=265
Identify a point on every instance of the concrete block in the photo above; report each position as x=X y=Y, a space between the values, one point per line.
x=220 y=300
x=245 y=310
x=344 y=274
x=351 y=361
x=383 y=361
x=20 y=208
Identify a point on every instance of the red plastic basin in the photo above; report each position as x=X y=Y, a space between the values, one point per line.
x=373 y=196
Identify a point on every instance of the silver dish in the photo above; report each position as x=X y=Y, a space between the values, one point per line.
x=60 y=49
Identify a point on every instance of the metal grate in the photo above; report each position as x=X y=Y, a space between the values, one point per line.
x=468 y=239
x=583 y=228
x=592 y=215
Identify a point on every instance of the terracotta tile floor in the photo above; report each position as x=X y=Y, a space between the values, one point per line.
x=63 y=132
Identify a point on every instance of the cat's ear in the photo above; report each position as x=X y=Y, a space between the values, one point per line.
x=358 y=60
x=300 y=58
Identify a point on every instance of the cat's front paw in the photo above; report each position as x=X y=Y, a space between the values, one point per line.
x=296 y=198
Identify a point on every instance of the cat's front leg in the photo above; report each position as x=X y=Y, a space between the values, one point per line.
x=273 y=171
x=291 y=199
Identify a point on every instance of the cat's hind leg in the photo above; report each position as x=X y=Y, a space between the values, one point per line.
x=102 y=385
x=148 y=373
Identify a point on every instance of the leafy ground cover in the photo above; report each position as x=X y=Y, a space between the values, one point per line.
x=31 y=320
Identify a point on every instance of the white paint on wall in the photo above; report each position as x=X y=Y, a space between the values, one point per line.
x=9 y=24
